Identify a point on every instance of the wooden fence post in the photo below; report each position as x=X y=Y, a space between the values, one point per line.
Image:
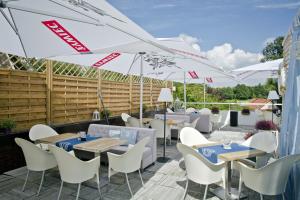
x=130 y=94
x=49 y=85
x=151 y=92
x=99 y=77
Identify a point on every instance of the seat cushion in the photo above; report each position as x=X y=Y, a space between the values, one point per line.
x=114 y=133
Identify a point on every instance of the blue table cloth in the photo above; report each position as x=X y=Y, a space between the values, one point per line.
x=211 y=152
x=69 y=143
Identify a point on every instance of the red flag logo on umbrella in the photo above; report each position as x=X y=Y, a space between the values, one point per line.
x=107 y=59
x=209 y=79
x=193 y=74
x=66 y=36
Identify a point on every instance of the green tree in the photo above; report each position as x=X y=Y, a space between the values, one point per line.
x=273 y=50
x=242 y=92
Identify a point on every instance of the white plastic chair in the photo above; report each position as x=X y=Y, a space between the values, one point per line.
x=270 y=179
x=128 y=162
x=190 y=110
x=205 y=111
x=134 y=122
x=39 y=131
x=73 y=170
x=199 y=169
x=265 y=141
x=169 y=110
x=36 y=159
x=158 y=125
x=125 y=117
x=190 y=136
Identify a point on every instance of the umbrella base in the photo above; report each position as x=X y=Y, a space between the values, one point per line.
x=162 y=159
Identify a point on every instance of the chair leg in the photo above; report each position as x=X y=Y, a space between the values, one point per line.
x=240 y=187
x=205 y=192
x=109 y=173
x=98 y=185
x=141 y=178
x=40 y=187
x=282 y=195
x=185 y=190
x=261 y=197
x=60 y=189
x=78 y=191
x=128 y=185
x=23 y=188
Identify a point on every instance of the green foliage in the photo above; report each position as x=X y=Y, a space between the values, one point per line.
x=225 y=94
x=145 y=107
x=102 y=113
x=273 y=50
x=7 y=124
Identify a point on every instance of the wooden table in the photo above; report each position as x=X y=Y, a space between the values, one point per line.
x=95 y=146
x=99 y=145
x=230 y=193
x=57 y=138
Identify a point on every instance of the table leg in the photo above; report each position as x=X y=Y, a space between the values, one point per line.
x=228 y=180
x=229 y=193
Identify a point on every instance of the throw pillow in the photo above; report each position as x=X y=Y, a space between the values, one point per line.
x=129 y=135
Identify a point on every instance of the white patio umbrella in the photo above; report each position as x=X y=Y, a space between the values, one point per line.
x=254 y=74
x=45 y=28
x=158 y=64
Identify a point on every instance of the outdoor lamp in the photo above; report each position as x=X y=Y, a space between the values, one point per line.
x=273 y=96
x=164 y=96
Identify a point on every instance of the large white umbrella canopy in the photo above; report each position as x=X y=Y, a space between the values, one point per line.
x=46 y=28
x=257 y=73
x=194 y=69
x=157 y=64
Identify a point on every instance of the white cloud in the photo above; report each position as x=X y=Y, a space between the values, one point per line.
x=228 y=58
x=193 y=41
x=160 y=6
x=283 y=5
x=224 y=56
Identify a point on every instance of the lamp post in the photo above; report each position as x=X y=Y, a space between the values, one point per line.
x=273 y=96
x=164 y=96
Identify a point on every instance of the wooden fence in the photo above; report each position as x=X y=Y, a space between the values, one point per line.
x=31 y=97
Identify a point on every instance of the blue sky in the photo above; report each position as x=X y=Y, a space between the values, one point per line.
x=245 y=24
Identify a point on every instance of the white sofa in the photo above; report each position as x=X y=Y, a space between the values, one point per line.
x=149 y=155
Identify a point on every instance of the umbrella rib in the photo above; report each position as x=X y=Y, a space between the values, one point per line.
x=8 y=20
x=38 y=12
x=73 y=10
x=133 y=61
x=18 y=34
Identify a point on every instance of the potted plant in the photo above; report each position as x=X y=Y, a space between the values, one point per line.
x=7 y=125
x=245 y=111
x=215 y=110
x=265 y=125
x=102 y=113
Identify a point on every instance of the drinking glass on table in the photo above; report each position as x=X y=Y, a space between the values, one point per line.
x=82 y=135
x=227 y=144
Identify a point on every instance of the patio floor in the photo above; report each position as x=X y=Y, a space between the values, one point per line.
x=162 y=181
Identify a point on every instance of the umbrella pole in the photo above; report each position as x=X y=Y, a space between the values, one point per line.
x=103 y=107
x=204 y=93
x=141 y=89
x=184 y=90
